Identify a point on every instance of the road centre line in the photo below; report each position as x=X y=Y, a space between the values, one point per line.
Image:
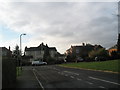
x=79 y=79
x=71 y=76
x=56 y=69
x=38 y=80
x=71 y=72
x=104 y=80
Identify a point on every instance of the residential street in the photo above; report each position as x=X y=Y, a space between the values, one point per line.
x=53 y=76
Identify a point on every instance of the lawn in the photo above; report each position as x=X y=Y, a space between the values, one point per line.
x=111 y=65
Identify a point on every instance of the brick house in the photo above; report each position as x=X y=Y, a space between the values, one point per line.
x=81 y=51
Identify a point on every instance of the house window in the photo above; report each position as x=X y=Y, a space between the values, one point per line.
x=77 y=51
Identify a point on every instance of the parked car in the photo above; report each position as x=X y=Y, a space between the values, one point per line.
x=79 y=59
x=37 y=63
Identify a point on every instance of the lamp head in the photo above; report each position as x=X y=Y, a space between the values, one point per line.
x=24 y=33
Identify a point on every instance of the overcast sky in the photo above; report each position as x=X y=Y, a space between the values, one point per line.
x=58 y=24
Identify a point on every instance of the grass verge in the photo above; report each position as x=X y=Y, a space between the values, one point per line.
x=18 y=71
x=111 y=65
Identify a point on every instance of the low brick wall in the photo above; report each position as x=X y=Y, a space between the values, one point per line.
x=8 y=72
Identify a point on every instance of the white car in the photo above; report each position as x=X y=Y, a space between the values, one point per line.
x=36 y=63
x=43 y=63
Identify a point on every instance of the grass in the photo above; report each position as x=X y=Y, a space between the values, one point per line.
x=111 y=65
x=18 y=71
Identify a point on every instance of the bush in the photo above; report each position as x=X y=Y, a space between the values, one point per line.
x=8 y=72
x=50 y=60
x=101 y=53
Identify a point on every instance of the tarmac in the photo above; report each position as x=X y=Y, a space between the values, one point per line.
x=56 y=77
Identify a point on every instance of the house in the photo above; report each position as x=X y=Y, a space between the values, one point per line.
x=40 y=51
x=53 y=52
x=60 y=58
x=81 y=51
x=112 y=49
x=6 y=52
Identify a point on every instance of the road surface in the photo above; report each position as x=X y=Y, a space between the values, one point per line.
x=53 y=76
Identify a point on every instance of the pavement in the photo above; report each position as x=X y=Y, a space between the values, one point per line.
x=27 y=79
x=57 y=77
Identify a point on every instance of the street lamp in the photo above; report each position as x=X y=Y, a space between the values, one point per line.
x=21 y=49
x=21 y=43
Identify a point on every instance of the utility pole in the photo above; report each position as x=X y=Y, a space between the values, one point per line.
x=118 y=44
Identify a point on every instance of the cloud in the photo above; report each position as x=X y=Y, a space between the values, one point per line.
x=62 y=24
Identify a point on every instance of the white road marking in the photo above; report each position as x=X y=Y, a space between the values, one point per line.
x=71 y=76
x=38 y=80
x=71 y=72
x=104 y=80
x=101 y=87
x=66 y=75
x=79 y=79
x=56 y=69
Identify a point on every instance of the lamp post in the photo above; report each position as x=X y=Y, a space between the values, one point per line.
x=21 y=50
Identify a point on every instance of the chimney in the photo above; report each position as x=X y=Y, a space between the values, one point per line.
x=83 y=44
x=46 y=45
x=9 y=48
x=42 y=43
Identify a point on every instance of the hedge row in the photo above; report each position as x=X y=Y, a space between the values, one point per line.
x=8 y=72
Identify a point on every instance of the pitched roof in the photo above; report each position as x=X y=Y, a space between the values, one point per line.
x=32 y=49
x=40 y=47
x=52 y=49
x=5 y=49
x=114 y=47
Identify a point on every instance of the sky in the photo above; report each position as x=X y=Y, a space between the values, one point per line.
x=58 y=24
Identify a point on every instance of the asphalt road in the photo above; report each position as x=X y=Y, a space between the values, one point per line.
x=53 y=76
